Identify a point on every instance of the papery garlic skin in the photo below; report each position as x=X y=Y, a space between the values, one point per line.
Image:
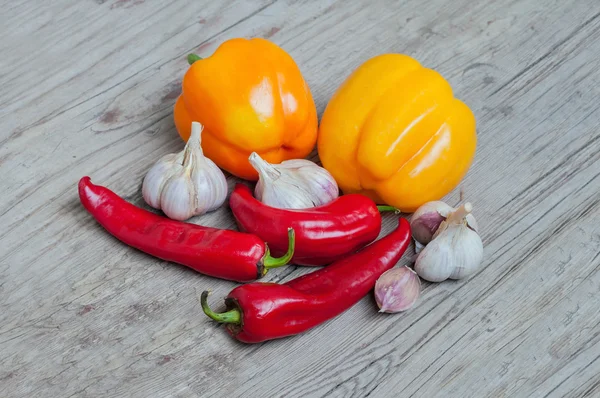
x=455 y=252
x=435 y=262
x=155 y=179
x=293 y=184
x=427 y=219
x=185 y=184
x=468 y=255
x=397 y=290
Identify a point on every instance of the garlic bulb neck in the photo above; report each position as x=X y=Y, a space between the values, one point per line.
x=195 y=140
x=264 y=169
x=460 y=215
x=193 y=144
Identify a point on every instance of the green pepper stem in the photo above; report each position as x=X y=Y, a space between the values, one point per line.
x=191 y=58
x=272 y=262
x=388 y=208
x=232 y=316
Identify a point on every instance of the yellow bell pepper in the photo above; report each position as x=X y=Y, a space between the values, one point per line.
x=394 y=132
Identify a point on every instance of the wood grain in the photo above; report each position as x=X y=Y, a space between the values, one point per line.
x=88 y=88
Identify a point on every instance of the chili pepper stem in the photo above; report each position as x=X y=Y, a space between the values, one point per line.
x=191 y=58
x=232 y=316
x=272 y=262
x=383 y=208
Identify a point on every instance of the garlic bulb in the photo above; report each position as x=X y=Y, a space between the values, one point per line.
x=185 y=184
x=455 y=252
x=397 y=289
x=293 y=184
x=427 y=219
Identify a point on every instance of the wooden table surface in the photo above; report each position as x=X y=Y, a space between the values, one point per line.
x=87 y=88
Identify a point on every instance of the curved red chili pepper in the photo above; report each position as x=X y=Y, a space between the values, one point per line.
x=264 y=311
x=323 y=234
x=220 y=253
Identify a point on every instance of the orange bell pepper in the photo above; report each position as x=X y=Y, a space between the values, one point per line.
x=251 y=97
x=394 y=132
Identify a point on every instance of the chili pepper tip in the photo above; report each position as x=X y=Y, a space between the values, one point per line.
x=232 y=316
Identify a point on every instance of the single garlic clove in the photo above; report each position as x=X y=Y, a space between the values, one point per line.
x=472 y=222
x=293 y=184
x=282 y=194
x=177 y=198
x=468 y=253
x=427 y=219
x=158 y=175
x=210 y=186
x=435 y=263
x=319 y=184
x=397 y=290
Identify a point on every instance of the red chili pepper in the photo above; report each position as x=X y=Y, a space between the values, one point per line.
x=323 y=234
x=263 y=311
x=220 y=253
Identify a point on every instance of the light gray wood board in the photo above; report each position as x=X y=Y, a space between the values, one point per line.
x=88 y=88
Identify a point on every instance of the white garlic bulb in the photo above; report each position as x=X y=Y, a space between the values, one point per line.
x=185 y=184
x=455 y=251
x=293 y=184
